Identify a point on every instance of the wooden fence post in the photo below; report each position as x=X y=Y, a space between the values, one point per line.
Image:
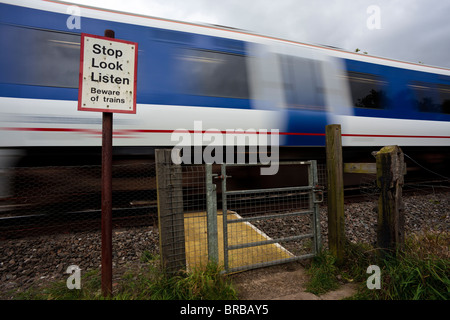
x=169 y=182
x=336 y=223
x=391 y=220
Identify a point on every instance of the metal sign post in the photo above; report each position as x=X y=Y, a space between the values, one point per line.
x=107 y=203
x=108 y=71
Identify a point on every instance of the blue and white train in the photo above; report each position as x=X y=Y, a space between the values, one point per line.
x=226 y=78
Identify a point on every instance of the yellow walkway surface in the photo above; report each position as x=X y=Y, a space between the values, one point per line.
x=195 y=227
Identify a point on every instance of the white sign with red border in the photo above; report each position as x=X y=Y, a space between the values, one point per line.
x=108 y=72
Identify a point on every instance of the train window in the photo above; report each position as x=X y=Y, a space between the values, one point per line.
x=426 y=98
x=367 y=90
x=302 y=83
x=39 y=57
x=211 y=73
x=444 y=97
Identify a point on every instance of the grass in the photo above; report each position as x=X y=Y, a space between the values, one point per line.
x=200 y=284
x=420 y=271
x=323 y=273
x=148 y=283
x=91 y=290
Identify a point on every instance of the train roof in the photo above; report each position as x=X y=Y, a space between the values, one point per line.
x=216 y=30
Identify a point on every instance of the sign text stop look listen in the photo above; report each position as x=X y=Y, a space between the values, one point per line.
x=108 y=71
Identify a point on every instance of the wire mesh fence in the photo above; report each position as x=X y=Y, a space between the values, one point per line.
x=195 y=216
x=245 y=227
x=65 y=199
x=182 y=213
x=266 y=226
x=53 y=220
x=275 y=215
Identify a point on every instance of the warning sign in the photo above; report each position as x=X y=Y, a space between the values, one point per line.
x=108 y=70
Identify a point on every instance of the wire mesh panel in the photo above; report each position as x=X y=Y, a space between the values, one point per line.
x=170 y=212
x=266 y=226
x=195 y=218
x=53 y=220
x=231 y=215
x=62 y=199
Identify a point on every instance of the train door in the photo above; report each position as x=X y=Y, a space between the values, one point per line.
x=293 y=80
x=304 y=95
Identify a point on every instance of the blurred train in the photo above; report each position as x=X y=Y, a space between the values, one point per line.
x=227 y=78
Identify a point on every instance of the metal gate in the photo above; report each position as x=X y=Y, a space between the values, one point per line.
x=266 y=225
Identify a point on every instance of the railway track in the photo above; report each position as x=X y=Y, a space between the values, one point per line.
x=16 y=223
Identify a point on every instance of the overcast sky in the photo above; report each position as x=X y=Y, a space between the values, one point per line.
x=410 y=30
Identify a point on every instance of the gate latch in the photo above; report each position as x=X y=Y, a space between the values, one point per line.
x=318 y=190
x=216 y=176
